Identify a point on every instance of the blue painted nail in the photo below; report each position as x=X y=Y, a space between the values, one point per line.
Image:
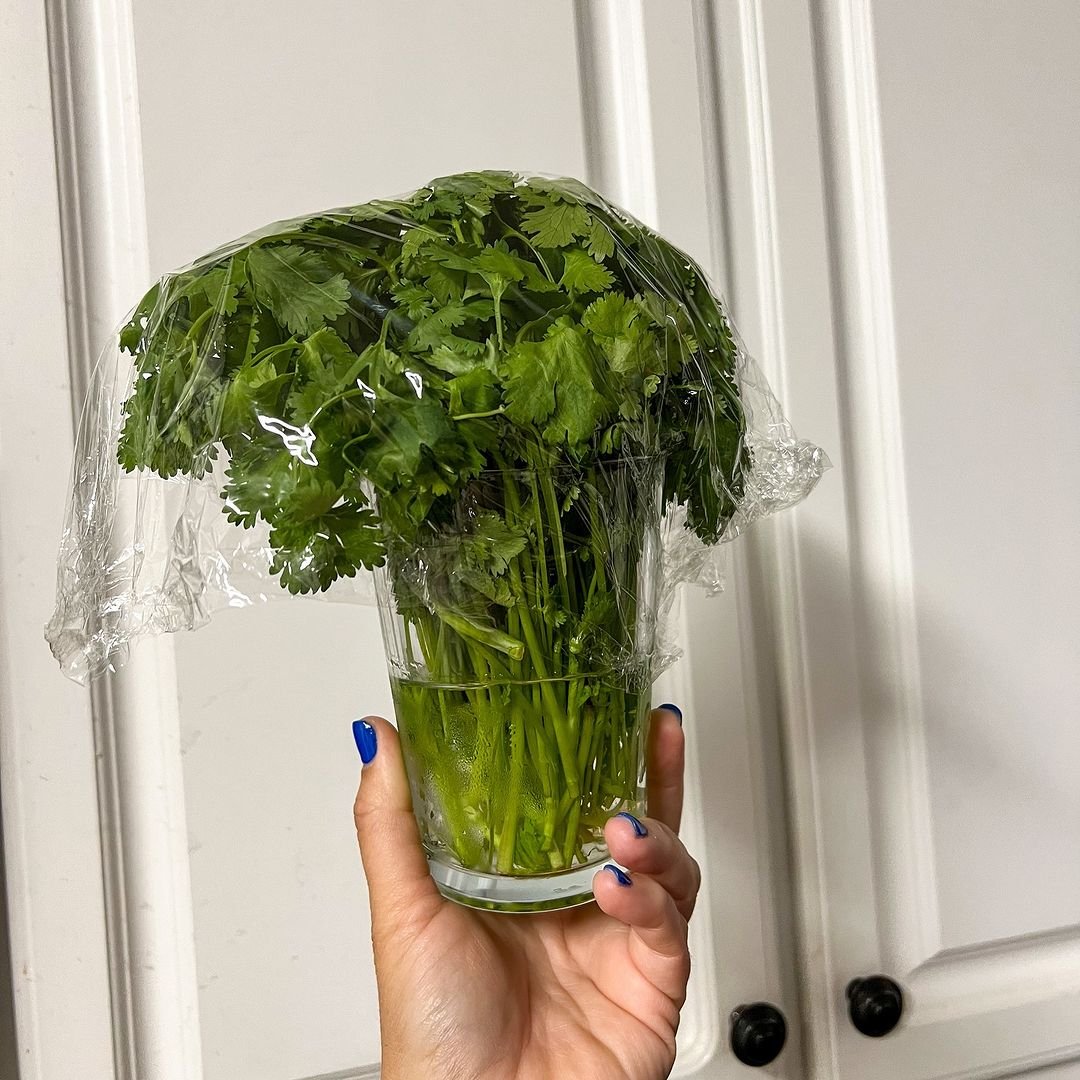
x=639 y=829
x=366 y=743
x=621 y=876
x=673 y=708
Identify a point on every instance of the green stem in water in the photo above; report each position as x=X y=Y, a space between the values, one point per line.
x=551 y=502
x=508 y=835
x=558 y=716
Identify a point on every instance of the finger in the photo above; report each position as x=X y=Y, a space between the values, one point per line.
x=657 y=941
x=399 y=884
x=648 y=846
x=665 y=758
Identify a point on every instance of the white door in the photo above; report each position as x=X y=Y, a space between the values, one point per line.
x=906 y=199
x=885 y=192
x=234 y=919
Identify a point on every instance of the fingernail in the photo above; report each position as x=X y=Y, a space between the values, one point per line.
x=621 y=876
x=366 y=742
x=675 y=709
x=639 y=829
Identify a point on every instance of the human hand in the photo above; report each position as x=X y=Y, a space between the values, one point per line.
x=592 y=991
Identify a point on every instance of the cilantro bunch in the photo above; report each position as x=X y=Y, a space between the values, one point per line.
x=403 y=347
x=489 y=389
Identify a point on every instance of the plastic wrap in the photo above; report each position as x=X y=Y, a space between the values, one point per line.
x=320 y=398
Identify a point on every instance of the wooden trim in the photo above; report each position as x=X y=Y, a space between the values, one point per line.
x=959 y=982
x=140 y=779
x=614 y=81
x=746 y=244
x=52 y=863
x=885 y=613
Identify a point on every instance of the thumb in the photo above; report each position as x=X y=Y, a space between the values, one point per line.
x=399 y=884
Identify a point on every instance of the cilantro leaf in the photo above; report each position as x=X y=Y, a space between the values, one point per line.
x=414 y=300
x=555 y=385
x=297 y=286
x=253 y=390
x=600 y=241
x=311 y=555
x=581 y=273
x=131 y=334
x=473 y=392
x=555 y=224
x=434 y=328
x=483 y=556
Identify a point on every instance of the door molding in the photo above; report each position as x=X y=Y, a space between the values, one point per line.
x=878 y=520
x=52 y=872
x=742 y=192
x=614 y=80
x=886 y=911
x=136 y=723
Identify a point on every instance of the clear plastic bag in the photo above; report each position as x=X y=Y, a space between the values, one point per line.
x=296 y=408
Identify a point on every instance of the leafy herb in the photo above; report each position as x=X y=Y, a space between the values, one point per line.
x=363 y=372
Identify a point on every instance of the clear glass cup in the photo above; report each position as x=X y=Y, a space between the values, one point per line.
x=519 y=637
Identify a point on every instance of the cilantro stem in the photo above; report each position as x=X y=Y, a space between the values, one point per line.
x=497 y=295
x=508 y=834
x=570 y=841
x=558 y=715
x=541 y=549
x=487 y=635
x=479 y=415
x=343 y=396
x=192 y=384
x=511 y=231
x=198 y=323
x=555 y=524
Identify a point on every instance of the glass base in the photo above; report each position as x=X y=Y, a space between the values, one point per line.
x=499 y=892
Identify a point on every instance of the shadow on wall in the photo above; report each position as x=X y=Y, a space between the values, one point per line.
x=9 y=1065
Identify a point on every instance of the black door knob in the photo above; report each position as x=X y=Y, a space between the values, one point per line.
x=758 y=1033
x=875 y=1005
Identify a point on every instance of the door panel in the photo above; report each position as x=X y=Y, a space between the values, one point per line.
x=989 y=394
x=925 y=598
x=53 y=945
x=885 y=194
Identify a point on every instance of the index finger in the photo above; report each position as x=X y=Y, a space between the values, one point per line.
x=665 y=758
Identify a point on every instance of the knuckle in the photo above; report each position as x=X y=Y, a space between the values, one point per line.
x=363 y=814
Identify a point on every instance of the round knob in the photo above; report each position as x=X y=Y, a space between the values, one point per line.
x=875 y=1005
x=758 y=1033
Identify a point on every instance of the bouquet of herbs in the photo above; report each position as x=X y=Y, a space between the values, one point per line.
x=489 y=391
